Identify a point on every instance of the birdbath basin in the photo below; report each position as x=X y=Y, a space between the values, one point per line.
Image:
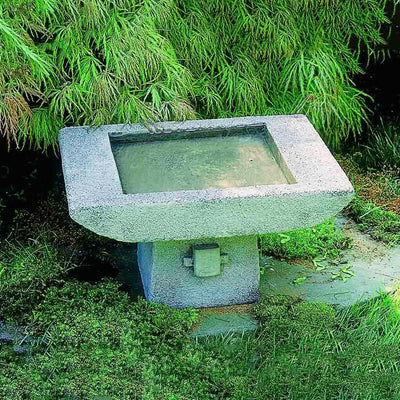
x=196 y=194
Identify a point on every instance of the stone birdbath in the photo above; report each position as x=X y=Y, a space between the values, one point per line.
x=196 y=194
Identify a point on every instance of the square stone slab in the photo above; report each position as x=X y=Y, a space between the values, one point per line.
x=248 y=176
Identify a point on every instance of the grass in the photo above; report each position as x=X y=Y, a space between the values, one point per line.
x=382 y=150
x=319 y=353
x=101 y=61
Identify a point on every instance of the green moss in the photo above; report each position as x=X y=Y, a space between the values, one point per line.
x=277 y=300
x=323 y=240
x=287 y=314
x=311 y=317
x=96 y=343
x=270 y=312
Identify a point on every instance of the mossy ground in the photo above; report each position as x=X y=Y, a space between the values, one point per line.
x=100 y=344
x=324 y=240
x=381 y=188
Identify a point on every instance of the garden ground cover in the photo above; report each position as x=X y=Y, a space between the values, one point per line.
x=99 y=343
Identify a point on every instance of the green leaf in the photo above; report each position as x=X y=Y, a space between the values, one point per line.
x=299 y=281
x=284 y=238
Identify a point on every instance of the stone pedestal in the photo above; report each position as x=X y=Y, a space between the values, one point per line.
x=257 y=175
x=166 y=279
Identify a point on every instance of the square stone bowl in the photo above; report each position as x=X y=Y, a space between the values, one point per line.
x=201 y=179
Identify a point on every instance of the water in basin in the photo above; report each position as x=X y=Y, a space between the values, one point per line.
x=196 y=163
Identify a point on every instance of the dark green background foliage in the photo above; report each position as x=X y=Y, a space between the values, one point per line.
x=383 y=146
x=73 y=62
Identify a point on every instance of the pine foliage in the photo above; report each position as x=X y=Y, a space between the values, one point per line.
x=91 y=62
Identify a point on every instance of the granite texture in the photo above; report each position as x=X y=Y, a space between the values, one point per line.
x=166 y=280
x=318 y=187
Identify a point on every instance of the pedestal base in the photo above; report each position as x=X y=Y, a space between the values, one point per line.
x=166 y=279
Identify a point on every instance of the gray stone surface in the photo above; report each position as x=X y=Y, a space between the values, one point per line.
x=166 y=280
x=222 y=324
x=318 y=189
